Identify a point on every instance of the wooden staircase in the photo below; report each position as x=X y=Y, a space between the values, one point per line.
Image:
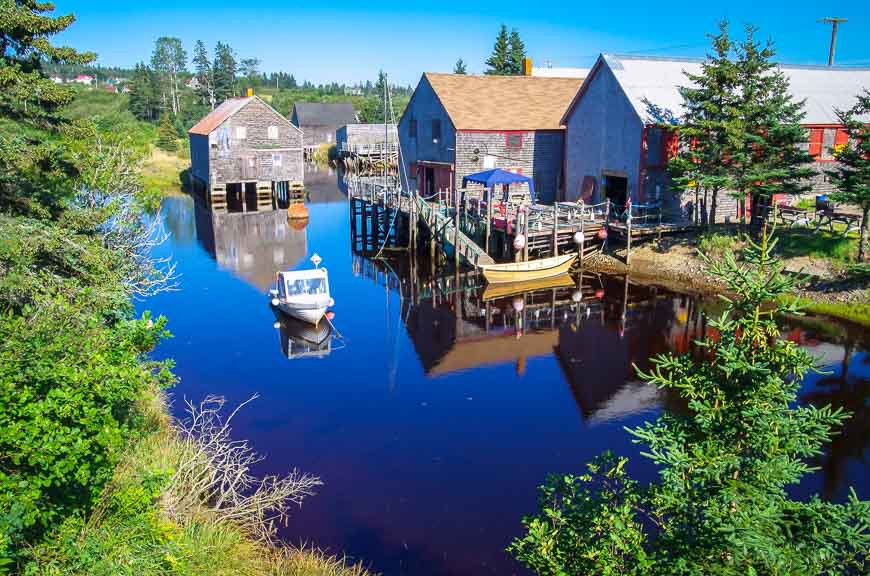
x=443 y=226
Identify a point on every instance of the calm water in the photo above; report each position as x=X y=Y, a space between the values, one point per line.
x=433 y=415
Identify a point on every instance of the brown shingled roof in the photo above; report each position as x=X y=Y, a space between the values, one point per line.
x=504 y=102
x=216 y=117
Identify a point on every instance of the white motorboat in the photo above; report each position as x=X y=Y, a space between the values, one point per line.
x=303 y=294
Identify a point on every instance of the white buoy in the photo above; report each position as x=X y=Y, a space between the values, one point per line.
x=519 y=242
x=578 y=238
x=275 y=301
x=276 y=325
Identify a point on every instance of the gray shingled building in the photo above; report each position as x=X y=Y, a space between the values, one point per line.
x=319 y=121
x=244 y=155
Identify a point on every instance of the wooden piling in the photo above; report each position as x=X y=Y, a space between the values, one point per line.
x=628 y=237
x=555 y=229
x=456 y=216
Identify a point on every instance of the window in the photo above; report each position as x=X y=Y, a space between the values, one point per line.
x=436 y=130
x=514 y=141
x=829 y=138
x=276 y=160
x=241 y=132
x=412 y=128
x=273 y=132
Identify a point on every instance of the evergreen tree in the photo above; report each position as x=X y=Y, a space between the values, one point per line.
x=144 y=100
x=498 y=61
x=709 y=131
x=516 y=54
x=852 y=175
x=203 y=74
x=725 y=460
x=29 y=99
x=291 y=83
x=167 y=135
x=224 y=71
x=769 y=159
x=459 y=67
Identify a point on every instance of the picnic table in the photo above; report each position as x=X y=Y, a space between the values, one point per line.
x=830 y=217
x=791 y=215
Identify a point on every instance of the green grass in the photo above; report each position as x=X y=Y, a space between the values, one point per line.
x=716 y=244
x=795 y=242
x=134 y=532
x=855 y=312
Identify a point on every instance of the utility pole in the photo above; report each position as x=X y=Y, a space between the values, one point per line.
x=834 y=22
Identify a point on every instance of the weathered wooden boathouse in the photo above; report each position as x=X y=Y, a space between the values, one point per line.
x=615 y=146
x=245 y=156
x=366 y=147
x=319 y=121
x=458 y=124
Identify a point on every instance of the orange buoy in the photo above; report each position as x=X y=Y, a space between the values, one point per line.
x=297 y=212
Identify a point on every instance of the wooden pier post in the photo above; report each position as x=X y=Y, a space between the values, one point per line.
x=488 y=216
x=555 y=228
x=456 y=217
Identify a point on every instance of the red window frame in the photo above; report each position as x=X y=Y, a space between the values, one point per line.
x=507 y=140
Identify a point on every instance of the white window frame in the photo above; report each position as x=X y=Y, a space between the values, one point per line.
x=272 y=132
x=241 y=132
x=276 y=161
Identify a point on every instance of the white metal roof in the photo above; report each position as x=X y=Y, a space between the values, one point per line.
x=559 y=72
x=655 y=80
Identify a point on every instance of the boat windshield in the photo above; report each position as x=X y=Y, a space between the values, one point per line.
x=303 y=286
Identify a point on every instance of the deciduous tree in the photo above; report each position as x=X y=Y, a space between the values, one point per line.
x=168 y=60
x=459 y=67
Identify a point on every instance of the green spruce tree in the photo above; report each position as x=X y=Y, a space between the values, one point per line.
x=516 y=54
x=167 y=135
x=30 y=101
x=852 y=175
x=459 y=67
x=709 y=130
x=725 y=460
x=769 y=159
x=224 y=71
x=144 y=100
x=498 y=61
x=203 y=74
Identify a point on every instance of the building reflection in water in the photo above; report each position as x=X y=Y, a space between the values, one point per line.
x=252 y=245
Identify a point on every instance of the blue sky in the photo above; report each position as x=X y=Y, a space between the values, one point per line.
x=335 y=40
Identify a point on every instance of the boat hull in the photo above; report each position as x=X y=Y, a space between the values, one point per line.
x=312 y=315
x=525 y=271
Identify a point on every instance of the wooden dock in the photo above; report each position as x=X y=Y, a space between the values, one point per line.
x=383 y=217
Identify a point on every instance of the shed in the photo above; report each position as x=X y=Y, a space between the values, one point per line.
x=245 y=155
x=457 y=124
x=320 y=120
x=615 y=145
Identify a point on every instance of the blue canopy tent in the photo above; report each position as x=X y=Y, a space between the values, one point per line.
x=492 y=178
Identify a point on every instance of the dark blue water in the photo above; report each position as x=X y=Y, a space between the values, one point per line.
x=430 y=427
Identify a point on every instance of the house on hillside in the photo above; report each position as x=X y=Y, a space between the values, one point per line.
x=457 y=124
x=319 y=121
x=615 y=145
x=84 y=79
x=245 y=156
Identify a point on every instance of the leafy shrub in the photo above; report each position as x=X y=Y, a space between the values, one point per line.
x=69 y=386
x=716 y=244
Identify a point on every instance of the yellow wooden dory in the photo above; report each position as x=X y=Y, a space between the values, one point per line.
x=504 y=289
x=531 y=270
